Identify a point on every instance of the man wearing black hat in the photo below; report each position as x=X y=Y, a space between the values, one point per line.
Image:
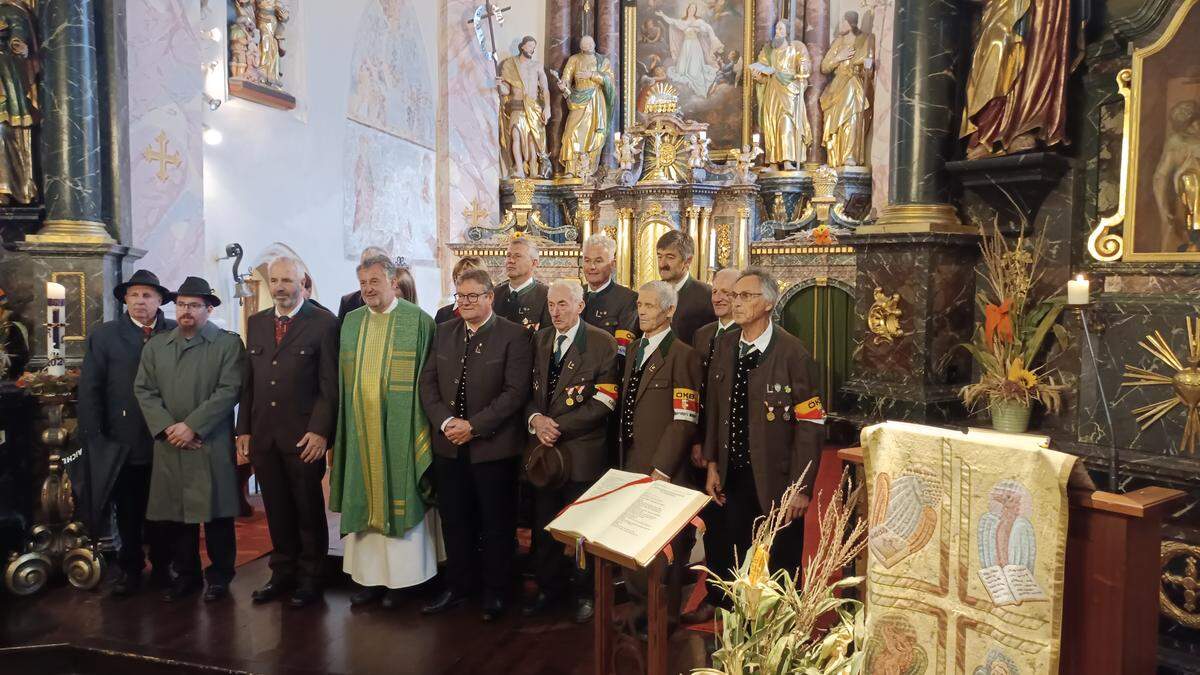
x=187 y=385
x=118 y=447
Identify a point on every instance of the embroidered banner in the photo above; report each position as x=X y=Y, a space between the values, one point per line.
x=966 y=548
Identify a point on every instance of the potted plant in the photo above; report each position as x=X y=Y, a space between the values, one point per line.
x=773 y=624
x=1017 y=322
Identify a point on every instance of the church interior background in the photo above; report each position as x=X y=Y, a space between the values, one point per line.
x=161 y=141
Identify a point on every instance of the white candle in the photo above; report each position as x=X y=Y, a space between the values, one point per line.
x=703 y=135
x=757 y=138
x=712 y=249
x=1077 y=291
x=616 y=137
x=56 y=318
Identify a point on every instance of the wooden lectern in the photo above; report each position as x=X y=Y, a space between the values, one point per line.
x=602 y=622
x=1110 y=594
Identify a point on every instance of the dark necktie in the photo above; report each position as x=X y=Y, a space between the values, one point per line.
x=639 y=353
x=460 y=395
x=558 y=350
x=281 y=328
x=147 y=331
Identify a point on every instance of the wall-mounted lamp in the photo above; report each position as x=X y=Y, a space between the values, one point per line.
x=213 y=34
x=212 y=136
x=241 y=289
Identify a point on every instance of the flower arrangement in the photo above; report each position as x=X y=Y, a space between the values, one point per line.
x=1017 y=322
x=42 y=383
x=772 y=627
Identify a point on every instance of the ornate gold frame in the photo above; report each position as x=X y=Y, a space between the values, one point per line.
x=629 y=75
x=1102 y=244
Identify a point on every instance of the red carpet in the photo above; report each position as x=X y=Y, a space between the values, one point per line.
x=253 y=539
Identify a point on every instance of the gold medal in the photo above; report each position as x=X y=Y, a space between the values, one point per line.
x=570 y=401
x=770 y=417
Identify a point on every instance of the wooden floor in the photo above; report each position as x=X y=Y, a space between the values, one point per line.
x=330 y=638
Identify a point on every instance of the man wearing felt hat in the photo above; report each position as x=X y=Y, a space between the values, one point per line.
x=187 y=385
x=118 y=449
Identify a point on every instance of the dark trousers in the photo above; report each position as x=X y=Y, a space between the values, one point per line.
x=734 y=525
x=130 y=494
x=555 y=569
x=478 y=501
x=295 y=504
x=219 y=542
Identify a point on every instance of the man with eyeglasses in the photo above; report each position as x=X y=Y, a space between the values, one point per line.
x=764 y=427
x=119 y=449
x=187 y=386
x=660 y=408
x=380 y=464
x=474 y=389
x=675 y=250
x=574 y=390
x=522 y=299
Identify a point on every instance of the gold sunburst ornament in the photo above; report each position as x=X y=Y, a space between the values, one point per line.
x=1185 y=381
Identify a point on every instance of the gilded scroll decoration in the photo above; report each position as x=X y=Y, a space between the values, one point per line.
x=883 y=318
x=1179 y=591
x=1184 y=381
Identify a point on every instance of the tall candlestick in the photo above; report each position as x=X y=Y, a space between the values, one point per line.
x=56 y=319
x=757 y=138
x=1078 y=290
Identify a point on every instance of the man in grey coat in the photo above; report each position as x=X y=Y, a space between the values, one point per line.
x=187 y=385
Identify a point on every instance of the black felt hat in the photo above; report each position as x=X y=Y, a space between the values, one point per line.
x=197 y=288
x=547 y=466
x=143 y=278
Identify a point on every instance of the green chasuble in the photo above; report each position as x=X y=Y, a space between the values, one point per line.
x=382 y=448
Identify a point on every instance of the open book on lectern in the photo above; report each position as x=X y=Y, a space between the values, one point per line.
x=628 y=515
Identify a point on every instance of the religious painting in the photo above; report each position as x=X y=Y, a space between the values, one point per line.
x=699 y=47
x=1159 y=203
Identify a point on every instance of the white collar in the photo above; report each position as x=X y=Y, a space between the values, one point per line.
x=681 y=282
x=518 y=289
x=652 y=344
x=721 y=325
x=291 y=314
x=760 y=343
x=597 y=290
x=395 y=301
x=571 y=333
x=142 y=325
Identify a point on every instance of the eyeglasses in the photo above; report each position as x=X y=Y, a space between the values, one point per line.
x=470 y=298
x=743 y=297
x=190 y=305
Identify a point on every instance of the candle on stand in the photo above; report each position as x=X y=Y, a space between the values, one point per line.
x=56 y=319
x=757 y=138
x=616 y=137
x=712 y=249
x=1077 y=291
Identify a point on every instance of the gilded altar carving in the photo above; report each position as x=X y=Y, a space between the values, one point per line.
x=1184 y=381
x=883 y=318
x=1179 y=591
x=19 y=113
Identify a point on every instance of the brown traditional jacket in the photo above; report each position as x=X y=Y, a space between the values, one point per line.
x=666 y=408
x=784 y=413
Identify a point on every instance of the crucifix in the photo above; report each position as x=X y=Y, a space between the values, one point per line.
x=475 y=213
x=488 y=11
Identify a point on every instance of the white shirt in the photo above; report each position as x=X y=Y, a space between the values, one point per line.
x=395 y=301
x=760 y=343
x=570 y=335
x=295 y=310
x=721 y=325
x=604 y=286
x=518 y=289
x=681 y=282
x=653 y=342
x=140 y=324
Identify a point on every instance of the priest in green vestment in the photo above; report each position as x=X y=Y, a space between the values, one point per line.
x=382 y=448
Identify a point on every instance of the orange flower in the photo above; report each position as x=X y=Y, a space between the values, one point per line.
x=997 y=322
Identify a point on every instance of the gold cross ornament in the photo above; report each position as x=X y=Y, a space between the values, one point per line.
x=160 y=155
x=475 y=213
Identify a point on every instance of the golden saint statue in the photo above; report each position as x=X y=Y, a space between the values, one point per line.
x=780 y=78
x=524 y=111
x=1177 y=178
x=587 y=84
x=846 y=102
x=272 y=14
x=19 y=105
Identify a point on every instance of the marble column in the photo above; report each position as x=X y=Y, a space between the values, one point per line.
x=765 y=16
x=816 y=38
x=928 y=45
x=72 y=165
x=555 y=53
x=608 y=43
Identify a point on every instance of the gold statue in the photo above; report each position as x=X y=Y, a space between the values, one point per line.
x=524 y=111
x=587 y=84
x=846 y=101
x=1016 y=90
x=19 y=105
x=1177 y=176
x=781 y=76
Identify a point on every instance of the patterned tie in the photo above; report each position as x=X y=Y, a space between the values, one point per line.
x=281 y=328
x=147 y=331
x=558 y=350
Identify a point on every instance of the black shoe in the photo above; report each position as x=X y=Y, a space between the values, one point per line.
x=584 y=610
x=366 y=596
x=392 y=598
x=303 y=597
x=272 y=590
x=181 y=589
x=216 y=592
x=536 y=605
x=445 y=600
x=128 y=585
x=160 y=576
x=493 y=608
